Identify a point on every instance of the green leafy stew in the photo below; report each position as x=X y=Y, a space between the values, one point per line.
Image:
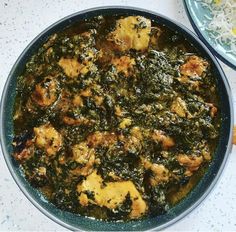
x=116 y=118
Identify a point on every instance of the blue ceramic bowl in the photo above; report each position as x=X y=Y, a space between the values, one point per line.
x=76 y=222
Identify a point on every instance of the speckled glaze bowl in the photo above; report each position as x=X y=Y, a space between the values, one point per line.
x=76 y=222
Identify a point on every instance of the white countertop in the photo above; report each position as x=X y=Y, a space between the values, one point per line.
x=20 y=22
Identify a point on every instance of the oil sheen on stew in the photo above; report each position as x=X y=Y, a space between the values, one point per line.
x=116 y=118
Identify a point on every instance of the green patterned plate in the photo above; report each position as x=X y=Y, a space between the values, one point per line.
x=200 y=16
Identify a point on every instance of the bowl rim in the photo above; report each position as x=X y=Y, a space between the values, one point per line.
x=94 y=9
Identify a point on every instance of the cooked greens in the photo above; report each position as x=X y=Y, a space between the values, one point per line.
x=116 y=118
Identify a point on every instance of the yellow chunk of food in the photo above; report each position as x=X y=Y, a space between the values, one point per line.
x=98 y=100
x=104 y=139
x=213 y=109
x=47 y=138
x=125 y=123
x=132 y=144
x=42 y=171
x=192 y=163
x=166 y=140
x=192 y=84
x=159 y=172
x=195 y=66
x=85 y=156
x=77 y=121
x=206 y=153
x=124 y=64
x=77 y=100
x=112 y=194
x=136 y=132
x=72 y=68
x=114 y=176
x=83 y=199
x=179 y=107
x=82 y=153
x=45 y=93
x=132 y=32
x=86 y=92
x=118 y=111
x=50 y=41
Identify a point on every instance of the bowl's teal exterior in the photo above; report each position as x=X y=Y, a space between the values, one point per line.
x=76 y=222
